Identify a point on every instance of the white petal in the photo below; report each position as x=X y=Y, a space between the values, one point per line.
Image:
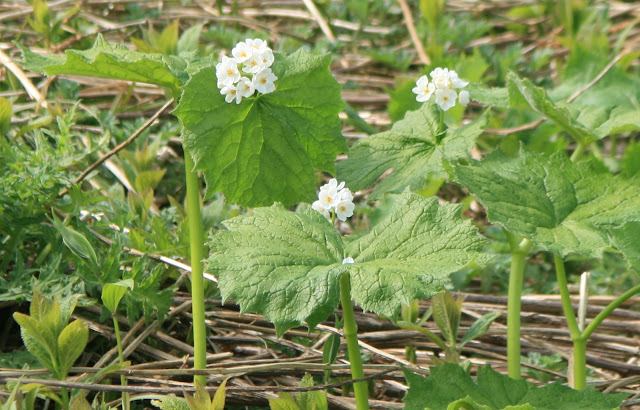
x=463 y=98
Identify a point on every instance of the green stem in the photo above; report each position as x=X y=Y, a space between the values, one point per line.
x=610 y=308
x=196 y=243
x=563 y=286
x=519 y=249
x=123 y=380
x=64 y=396
x=578 y=152
x=579 y=363
x=350 y=329
x=410 y=314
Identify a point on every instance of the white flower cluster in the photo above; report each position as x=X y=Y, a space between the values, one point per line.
x=444 y=84
x=255 y=58
x=336 y=198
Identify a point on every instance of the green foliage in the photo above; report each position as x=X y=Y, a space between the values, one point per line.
x=450 y=383
x=561 y=206
x=287 y=265
x=112 y=61
x=199 y=401
x=414 y=148
x=306 y=400
x=112 y=293
x=267 y=148
x=48 y=336
x=6 y=110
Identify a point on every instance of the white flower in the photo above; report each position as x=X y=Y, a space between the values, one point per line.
x=254 y=64
x=344 y=210
x=463 y=98
x=317 y=205
x=440 y=78
x=227 y=72
x=347 y=260
x=446 y=98
x=345 y=194
x=267 y=57
x=455 y=81
x=264 y=81
x=230 y=93
x=423 y=89
x=245 y=87
x=242 y=52
x=328 y=198
x=257 y=44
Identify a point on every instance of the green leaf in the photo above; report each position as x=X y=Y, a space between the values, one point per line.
x=282 y=264
x=479 y=328
x=625 y=238
x=467 y=403
x=189 y=39
x=411 y=253
x=266 y=148
x=411 y=148
x=310 y=400
x=6 y=111
x=287 y=265
x=220 y=396
x=79 y=402
x=200 y=400
x=71 y=343
x=449 y=383
x=76 y=241
x=112 y=61
x=496 y=97
x=171 y=403
x=602 y=121
x=524 y=94
x=38 y=340
x=112 y=293
x=563 y=207
x=631 y=162
x=284 y=402
x=446 y=313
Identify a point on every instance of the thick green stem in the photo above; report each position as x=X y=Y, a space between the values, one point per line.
x=579 y=363
x=123 y=380
x=579 y=151
x=350 y=329
x=196 y=244
x=410 y=314
x=519 y=249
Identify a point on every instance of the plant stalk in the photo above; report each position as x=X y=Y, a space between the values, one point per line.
x=350 y=329
x=196 y=245
x=123 y=379
x=609 y=309
x=519 y=249
x=579 y=363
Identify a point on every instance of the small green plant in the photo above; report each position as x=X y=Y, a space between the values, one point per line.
x=49 y=336
x=199 y=401
x=306 y=400
x=447 y=311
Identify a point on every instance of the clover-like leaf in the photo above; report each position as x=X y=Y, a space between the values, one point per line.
x=411 y=253
x=112 y=61
x=563 y=207
x=266 y=148
x=287 y=265
x=412 y=149
x=449 y=383
x=282 y=264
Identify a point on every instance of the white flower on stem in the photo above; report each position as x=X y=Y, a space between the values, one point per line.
x=230 y=93
x=344 y=210
x=348 y=260
x=423 y=89
x=446 y=98
x=345 y=194
x=264 y=81
x=328 y=198
x=245 y=88
x=463 y=98
x=242 y=52
x=227 y=72
x=455 y=81
x=318 y=206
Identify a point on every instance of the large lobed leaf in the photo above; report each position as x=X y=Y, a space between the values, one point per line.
x=449 y=383
x=563 y=207
x=112 y=61
x=266 y=148
x=411 y=149
x=287 y=265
